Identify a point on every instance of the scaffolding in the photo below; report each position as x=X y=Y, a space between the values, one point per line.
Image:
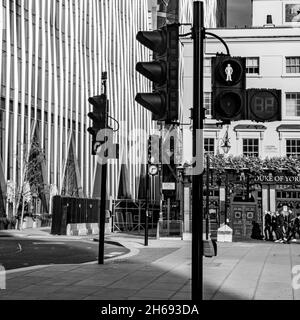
x=129 y=215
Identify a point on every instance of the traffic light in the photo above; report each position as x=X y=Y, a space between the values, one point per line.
x=162 y=71
x=99 y=118
x=154 y=149
x=228 y=88
x=264 y=105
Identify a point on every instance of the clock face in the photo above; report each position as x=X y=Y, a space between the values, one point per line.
x=153 y=170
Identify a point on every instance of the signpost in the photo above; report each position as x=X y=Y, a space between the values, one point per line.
x=168 y=186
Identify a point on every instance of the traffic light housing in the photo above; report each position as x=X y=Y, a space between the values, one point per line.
x=162 y=71
x=98 y=116
x=153 y=149
x=264 y=105
x=228 y=88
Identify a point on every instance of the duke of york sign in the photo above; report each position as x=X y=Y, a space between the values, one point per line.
x=279 y=179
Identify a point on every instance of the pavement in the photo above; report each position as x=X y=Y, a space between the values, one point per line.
x=254 y=270
x=159 y=271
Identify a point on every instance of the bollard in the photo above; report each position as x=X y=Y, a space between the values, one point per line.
x=2 y=278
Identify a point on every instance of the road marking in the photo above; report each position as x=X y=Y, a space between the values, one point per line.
x=51 y=242
x=116 y=253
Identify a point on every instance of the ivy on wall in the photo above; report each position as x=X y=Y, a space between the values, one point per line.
x=254 y=165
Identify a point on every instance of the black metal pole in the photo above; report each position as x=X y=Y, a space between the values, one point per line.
x=207 y=196
x=226 y=197
x=197 y=181
x=147 y=205
x=103 y=191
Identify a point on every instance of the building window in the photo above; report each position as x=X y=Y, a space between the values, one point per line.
x=207 y=66
x=252 y=65
x=207 y=103
x=209 y=145
x=293 y=104
x=293 y=148
x=250 y=147
x=292 y=64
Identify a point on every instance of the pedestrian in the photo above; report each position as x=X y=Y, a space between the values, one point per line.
x=256 y=232
x=274 y=225
x=291 y=231
x=297 y=224
x=268 y=227
x=295 y=229
x=280 y=227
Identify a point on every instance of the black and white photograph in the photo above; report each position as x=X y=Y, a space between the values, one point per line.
x=149 y=150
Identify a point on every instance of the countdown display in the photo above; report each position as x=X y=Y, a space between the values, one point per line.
x=264 y=105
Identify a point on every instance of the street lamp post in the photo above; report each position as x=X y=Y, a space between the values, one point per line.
x=225 y=146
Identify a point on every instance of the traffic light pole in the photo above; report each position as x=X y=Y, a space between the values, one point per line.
x=197 y=182
x=147 y=206
x=207 y=198
x=103 y=191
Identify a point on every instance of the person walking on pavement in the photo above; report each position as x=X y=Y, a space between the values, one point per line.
x=297 y=224
x=274 y=225
x=280 y=227
x=293 y=229
x=268 y=226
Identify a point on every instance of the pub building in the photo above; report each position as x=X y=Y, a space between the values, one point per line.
x=241 y=197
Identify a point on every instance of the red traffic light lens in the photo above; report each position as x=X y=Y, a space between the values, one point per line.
x=229 y=104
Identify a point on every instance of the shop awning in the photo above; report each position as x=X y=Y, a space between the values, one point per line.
x=212 y=126
x=250 y=127
x=288 y=127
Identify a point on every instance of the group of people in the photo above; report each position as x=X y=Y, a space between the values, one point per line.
x=281 y=226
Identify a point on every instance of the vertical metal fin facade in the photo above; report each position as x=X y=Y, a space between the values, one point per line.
x=51 y=58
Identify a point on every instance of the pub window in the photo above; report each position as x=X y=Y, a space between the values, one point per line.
x=293 y=104
x=252 y=65
x=278 y=194
x=250 y=147
x=209 y=145
x=207 y=103
x=207 y=66
x=292 y=64
x=293 y=148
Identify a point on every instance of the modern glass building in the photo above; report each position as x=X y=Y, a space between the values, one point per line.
x=51 y=59
x=52 y=55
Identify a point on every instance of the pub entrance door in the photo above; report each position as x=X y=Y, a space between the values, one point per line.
x=242 y=215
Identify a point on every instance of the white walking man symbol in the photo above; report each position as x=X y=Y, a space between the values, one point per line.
x=229 y=72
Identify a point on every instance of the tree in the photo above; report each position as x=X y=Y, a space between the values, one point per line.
x=31 y=181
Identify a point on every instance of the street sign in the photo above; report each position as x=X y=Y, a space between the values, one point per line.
x=153 y=170
x=168 y=186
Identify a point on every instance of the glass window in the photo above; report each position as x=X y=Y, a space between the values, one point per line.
x=207 y=103
x=293 y=148
x=209 y=145
x=293 y=104
x=207 y=66
x=252 y=65
x=250 y=147
x=292 y=64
